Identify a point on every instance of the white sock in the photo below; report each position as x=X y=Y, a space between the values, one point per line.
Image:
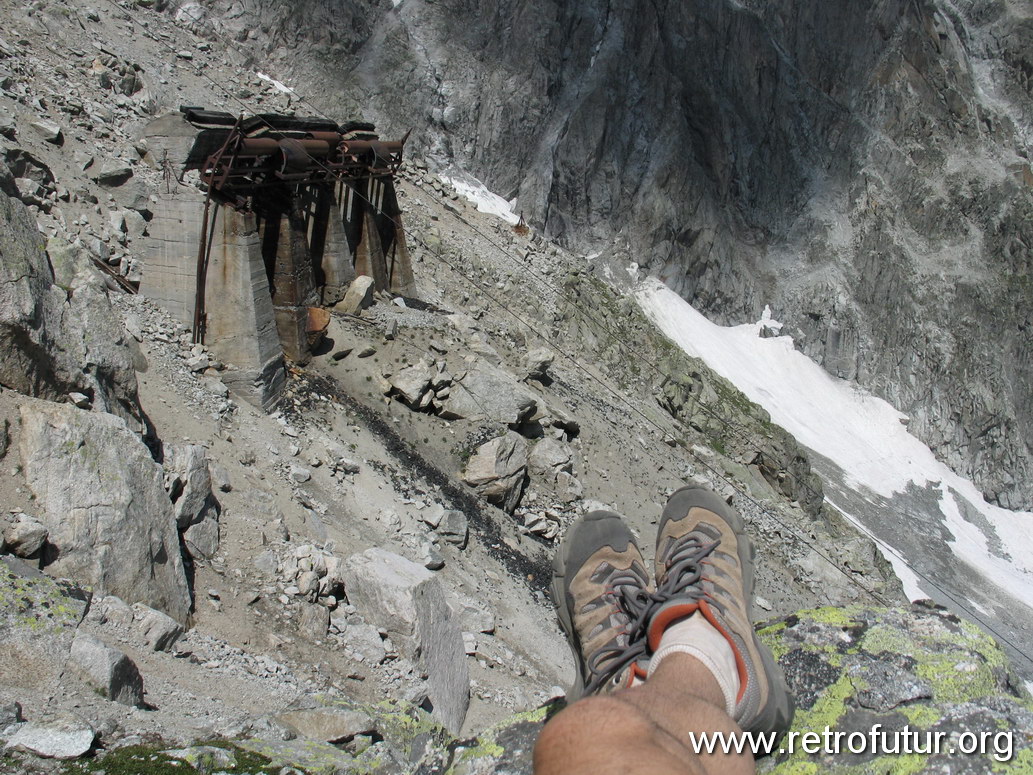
x=697 y=637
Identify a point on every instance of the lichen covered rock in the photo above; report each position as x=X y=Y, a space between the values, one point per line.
x=853 y=668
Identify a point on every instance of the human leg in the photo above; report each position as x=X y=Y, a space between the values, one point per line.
x=708 y=671
x=643 y=730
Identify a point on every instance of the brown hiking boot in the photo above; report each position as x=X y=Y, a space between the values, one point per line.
x=601 y=591
x=704 y=565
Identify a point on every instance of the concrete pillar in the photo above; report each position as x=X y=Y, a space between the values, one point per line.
x=329 y=251
x=170 y=266
x=397 y=264
x=240 y=328
x=241 y=324
x=286 y=251
x=379 y=242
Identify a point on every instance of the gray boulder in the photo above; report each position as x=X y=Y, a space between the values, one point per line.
x=314 y=621
x=109 y=670
x=454 y=527
x=25 y=537
x=497 y=470
x=48 y=130
x=538 y=362
x=358 y=296
x=55 y=341
x=62 y=737
x=37 y=623
x=188 y=482
x=408 y=602
x=112 y=173
x=492 y=392
x=159 y=631
x=550 y=457
x=327 y=724
x=412 y=382
x=364 y=641
x=110 y=520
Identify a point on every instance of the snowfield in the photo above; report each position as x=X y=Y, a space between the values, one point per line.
x=861 y=434
x=478 y=194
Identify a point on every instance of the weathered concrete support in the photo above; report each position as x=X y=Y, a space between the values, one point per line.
x=241 y=329
x=244 y=330
x=282 y=249
x=398 y=265
x=329 y=251
x=286 y=250
x=373 y=222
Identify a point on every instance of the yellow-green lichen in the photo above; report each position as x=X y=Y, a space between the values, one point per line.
x=828 y=709
x=797 y=767
x=1020 y=764
x=772 y=638
x=881 y=638
x=920 y=715
x=834 y=616
x=956 y=677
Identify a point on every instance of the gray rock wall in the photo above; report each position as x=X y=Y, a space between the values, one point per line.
x=111 y=523
x=862 y=167
x=55 y=340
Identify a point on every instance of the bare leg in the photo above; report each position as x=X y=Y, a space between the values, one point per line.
x=643 y=730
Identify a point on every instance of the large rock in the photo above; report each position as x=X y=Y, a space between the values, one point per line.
x=358 y=297
x=110 y=520
x=489 y=391
x=112 y=173
x=159 y=631
x=850 y=670
x=551 y=457
x=498 y=469
x=38 y=619
x=408 y=602
x=854 y=668
x=55 y=341
x=327 y=724
x=188 y=482
x=62 y=737
x=110 y=671
x=25 y=537
x=411 y=382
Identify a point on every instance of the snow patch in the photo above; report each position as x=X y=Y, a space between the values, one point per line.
x=860 y=433
x=484 y=200
x=278 y=85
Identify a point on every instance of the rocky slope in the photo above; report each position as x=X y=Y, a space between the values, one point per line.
x=357 y=581
x=864 y=170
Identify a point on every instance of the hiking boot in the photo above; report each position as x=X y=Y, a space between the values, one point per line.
x=704 y=565
x=601 y=591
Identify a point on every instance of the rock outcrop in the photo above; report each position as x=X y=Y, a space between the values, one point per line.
x=409 y=603
x=110 y=521
x=498 y=470
x=53 y=340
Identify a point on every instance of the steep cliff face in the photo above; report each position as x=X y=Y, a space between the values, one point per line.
x=861 y=167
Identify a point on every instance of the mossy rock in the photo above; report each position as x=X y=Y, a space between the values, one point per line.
x=922 y=667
